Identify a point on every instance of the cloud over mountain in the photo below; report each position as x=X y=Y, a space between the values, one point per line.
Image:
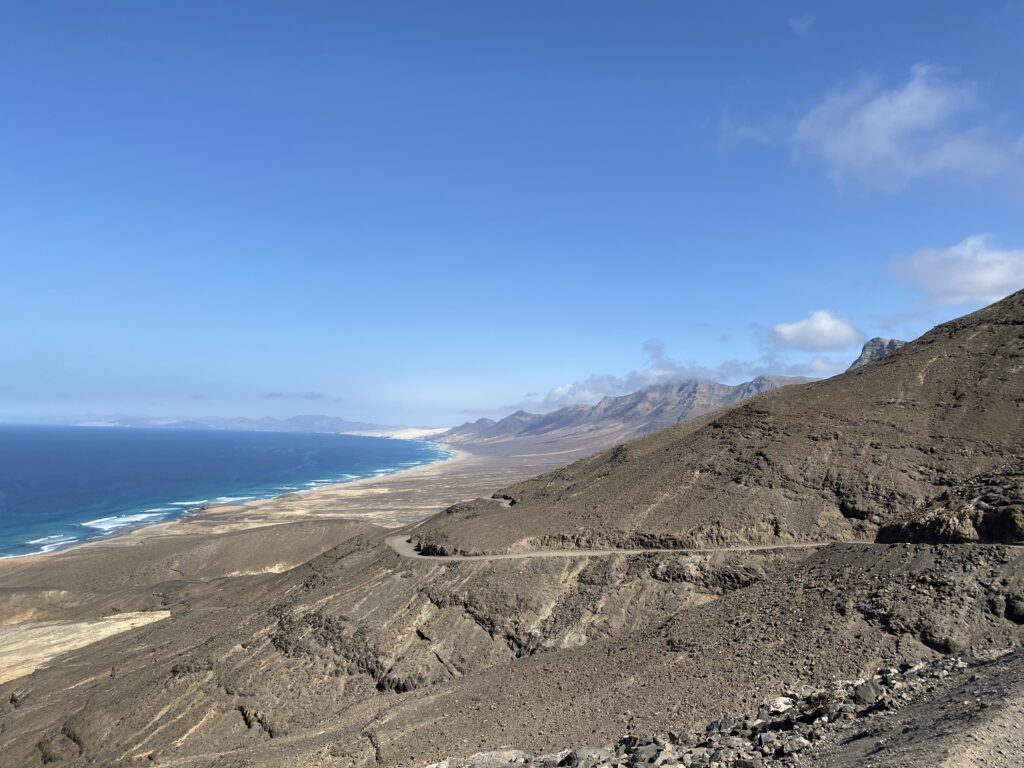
x=659 y=370
x=820 y=331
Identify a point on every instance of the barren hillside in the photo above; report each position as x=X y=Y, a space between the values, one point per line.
x=830 y=460
x=366 y=657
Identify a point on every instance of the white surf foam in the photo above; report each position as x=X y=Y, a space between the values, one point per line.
x=107 y=524
x=56 y=538
x=46 y=544
x=56 y=545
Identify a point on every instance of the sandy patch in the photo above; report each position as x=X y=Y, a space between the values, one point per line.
x=26 y=647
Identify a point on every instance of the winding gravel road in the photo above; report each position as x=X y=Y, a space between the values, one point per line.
x=403 y=546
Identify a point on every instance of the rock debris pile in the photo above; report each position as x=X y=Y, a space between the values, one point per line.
x=783 y=732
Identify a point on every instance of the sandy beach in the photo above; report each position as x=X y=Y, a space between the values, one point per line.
x=55 y=602
x=389 y=501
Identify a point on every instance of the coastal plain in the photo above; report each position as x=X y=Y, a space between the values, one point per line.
x=52 y=603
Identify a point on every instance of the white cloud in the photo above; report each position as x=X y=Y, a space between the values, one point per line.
x=801 y=25
x=976 y=270
x=891 y=137
x=821 y=330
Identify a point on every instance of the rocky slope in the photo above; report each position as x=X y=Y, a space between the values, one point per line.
x=612 y=420
x=876 y=349
x=934 y=430
x=362 y=657
x=895 y=717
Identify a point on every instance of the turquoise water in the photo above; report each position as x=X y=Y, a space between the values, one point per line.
x=63 y=485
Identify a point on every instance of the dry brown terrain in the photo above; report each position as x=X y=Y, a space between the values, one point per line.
x=905 y=472
x=65 y=600
x=875 y=448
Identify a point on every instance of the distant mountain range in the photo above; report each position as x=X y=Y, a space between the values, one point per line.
x=585 y=428
x=612 y=420
x=575 y=429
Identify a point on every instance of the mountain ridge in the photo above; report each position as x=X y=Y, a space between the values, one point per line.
x=613 y=418
x=825 y=460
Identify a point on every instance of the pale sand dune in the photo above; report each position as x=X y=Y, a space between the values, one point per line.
x=26 y=647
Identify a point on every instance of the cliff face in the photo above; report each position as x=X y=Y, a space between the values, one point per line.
x=876 y=349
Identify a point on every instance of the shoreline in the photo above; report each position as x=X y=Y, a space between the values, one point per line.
x=383 y=502
x=450 y=454
x=69 y=598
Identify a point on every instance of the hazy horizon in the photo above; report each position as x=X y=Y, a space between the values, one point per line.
x=105 y=419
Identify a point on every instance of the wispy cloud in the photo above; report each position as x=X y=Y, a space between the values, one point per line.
x=927 y=126
x=734 y=131
x=801 y=25
x=820 y=331
x=309 y=396
x=975 y=270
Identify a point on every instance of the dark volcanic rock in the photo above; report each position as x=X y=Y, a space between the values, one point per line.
x=988 y=508
x=818 y=726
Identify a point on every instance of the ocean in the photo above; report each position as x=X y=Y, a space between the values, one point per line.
x=63 y=485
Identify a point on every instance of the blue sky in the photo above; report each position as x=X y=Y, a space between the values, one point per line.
x=420 y=212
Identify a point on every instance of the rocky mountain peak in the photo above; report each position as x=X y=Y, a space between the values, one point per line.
x=875 y=349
